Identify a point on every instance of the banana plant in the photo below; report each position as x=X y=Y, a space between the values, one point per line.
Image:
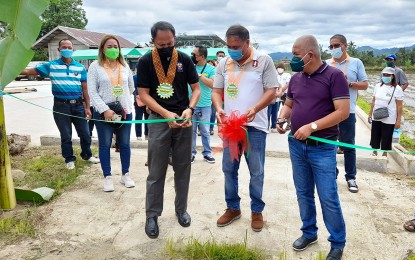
x=22 y=18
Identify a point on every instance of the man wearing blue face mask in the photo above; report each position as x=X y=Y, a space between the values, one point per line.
x=354 y=71
x=248 y=80
x=317 y=100
x=71 y=98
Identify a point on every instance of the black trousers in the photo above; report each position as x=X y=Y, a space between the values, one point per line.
x=161 y=140
x=381 y=135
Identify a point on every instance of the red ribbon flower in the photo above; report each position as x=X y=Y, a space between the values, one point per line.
x=234 y=134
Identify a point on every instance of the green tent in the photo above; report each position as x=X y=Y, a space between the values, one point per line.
x=92 y=54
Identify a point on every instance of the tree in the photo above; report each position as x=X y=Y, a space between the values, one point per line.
x=67 y=13
x=352 y=49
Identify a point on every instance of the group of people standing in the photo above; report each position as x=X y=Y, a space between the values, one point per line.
x=319 y=101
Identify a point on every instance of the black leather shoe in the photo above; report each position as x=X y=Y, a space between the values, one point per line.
x=184 y=219
x=152 y=228
x=335 y=254
x=302 y=243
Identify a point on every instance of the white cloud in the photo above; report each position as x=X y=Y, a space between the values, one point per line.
x=274 y=24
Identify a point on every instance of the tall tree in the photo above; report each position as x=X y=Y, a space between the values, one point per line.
x=69 y=13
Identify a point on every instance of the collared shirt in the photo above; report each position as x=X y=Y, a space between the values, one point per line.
x=185 y=74
x=66 y=79
x=313 y=97
x=259 y=74
x=355 y=71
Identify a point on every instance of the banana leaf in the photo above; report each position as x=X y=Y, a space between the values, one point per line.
x=22 y=18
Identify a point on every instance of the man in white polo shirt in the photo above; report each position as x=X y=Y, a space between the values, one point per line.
x=249 y=80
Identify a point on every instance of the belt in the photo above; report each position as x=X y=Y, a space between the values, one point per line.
x=69 y=101
x=312 y=142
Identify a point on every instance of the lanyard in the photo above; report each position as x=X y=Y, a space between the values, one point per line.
x=231 y=68
x=110 y=74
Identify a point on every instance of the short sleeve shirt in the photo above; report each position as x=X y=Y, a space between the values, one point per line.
x=382 y=94
x=205 y=99
x=400 y=76
x=313 y=97
x=185 y=74
x=258 y=75
x=355 y=71
x=66 y=79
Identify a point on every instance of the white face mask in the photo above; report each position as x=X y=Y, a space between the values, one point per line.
x=337 y=53
x=219 y=58
x=280 y=70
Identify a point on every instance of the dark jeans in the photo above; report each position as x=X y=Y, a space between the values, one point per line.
x=91 y=123
x=347 y=133
x=122 y=135
x=381 y=135
x=64 y=124
x=212 y=118
x=162 y=139
x=139 y=113
x=272 y=114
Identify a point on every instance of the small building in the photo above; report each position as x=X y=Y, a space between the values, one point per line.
x=81 y=39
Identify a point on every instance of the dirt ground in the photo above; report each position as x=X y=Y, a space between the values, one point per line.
x=87 y=223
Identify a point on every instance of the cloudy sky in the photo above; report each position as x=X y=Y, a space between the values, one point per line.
x=274 y=24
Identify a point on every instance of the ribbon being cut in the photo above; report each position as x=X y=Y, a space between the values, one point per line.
x=234 y=134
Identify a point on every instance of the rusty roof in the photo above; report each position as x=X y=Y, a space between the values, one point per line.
x=90 y=39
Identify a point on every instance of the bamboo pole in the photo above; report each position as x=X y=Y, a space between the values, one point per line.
x=7 y=194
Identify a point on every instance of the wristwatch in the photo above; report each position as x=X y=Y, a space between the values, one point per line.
x=313 y=126
x=191 y=108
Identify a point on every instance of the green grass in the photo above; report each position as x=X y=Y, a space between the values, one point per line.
x=16 y=227
x=196 y=250
x=44 y=166
x=365 y=106
x=407 y=142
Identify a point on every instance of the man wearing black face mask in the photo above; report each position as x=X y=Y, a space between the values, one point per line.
x=162 y=79
x=203 y=108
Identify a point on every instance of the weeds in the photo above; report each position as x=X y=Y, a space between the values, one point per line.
x=213 y=250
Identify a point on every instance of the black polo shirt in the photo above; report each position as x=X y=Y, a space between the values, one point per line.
x=185 y=74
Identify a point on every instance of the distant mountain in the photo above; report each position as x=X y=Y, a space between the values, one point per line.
x=280 y=55
x=288 y=55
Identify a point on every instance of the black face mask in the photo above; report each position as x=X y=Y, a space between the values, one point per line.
x=194 y=59
x=165 y=52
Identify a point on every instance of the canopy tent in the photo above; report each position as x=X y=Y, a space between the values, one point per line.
x=92 y=54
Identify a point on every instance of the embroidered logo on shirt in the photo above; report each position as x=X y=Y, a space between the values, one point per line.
x=76 y=73
x=254 y=63
x=179 y=67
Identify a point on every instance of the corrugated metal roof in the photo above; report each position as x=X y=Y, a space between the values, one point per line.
x=90 y=39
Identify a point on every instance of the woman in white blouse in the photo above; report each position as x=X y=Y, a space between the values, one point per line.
x=110 y=86
x=390 y=95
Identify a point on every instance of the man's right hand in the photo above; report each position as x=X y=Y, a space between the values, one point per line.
x=172 y=124
x=220 y=114
x=280 y=124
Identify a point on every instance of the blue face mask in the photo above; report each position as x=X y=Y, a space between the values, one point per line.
x=386 y=80
x=66 y=53
x=236 y=54
x=297 y=64
x=336 y=53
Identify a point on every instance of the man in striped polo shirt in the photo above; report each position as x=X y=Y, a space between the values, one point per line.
x=71 y=101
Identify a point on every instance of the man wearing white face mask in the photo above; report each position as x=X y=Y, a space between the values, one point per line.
x=69 y=88
x=354 y=71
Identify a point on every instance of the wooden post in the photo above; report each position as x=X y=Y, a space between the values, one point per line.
x=7 y=194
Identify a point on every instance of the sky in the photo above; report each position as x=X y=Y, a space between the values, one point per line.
x=273 y=24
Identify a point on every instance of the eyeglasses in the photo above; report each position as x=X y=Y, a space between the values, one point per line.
x=335 y=46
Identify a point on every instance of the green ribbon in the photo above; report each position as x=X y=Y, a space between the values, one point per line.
x=164 y=120
x=350 y=145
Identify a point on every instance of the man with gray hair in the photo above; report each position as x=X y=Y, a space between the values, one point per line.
x=249 y=80
x=317 y=101
x=354 y=71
